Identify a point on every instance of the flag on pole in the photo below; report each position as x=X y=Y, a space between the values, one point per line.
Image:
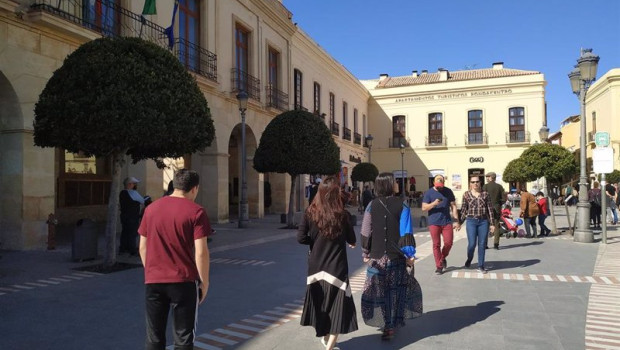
x=149 y=8
x=170 y=30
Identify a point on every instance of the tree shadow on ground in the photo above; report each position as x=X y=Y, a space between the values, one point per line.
x=430 y=324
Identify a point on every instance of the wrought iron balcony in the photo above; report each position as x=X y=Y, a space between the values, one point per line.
x=300 y=108
x=357 y=138
x=242 y=81
x=335 y=127
x=276 y=98
x=476 y=138
x=346 y=134
x=111 y=20
x=397 y=141
x=518 y=137
x=436 y=141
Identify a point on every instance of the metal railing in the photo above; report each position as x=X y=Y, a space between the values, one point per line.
x=518 y=137
x=335 y=127
x=436 y=141
x=242 y=81
x=476 y=139
x=357 y=138
x=346 y=134
x=112 y=20
x=276 y=98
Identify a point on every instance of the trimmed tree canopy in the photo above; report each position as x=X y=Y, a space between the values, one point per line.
x=123 y=95
x=297 y=142
x=551 y=161
x=514 y=171
x=364 y=172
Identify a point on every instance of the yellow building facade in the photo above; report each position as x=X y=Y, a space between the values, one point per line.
x=228 y=45
x=457 y=123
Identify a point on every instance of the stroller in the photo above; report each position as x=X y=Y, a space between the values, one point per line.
x=508 y=226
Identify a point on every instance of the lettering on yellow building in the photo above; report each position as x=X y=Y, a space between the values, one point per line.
x=466 y=94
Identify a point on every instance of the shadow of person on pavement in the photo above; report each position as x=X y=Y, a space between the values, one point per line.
x=520 y=245
x=509 y=264
x=428 y=325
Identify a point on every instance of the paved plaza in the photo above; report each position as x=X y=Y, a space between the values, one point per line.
x=548 y=293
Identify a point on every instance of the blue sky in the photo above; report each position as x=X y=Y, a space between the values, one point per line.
x=371 y=37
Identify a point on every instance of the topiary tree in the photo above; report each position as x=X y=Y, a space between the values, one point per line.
x=297 y=142
x=364 y=172
x=514 y=171
x=612 y=177
x=114 y=97
x=554 y=162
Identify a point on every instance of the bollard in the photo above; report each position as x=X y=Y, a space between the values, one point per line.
x=51 y=231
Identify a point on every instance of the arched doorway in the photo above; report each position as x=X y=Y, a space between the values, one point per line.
x=11 y=167
x=254 y=180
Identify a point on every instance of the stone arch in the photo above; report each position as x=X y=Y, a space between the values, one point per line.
x=254 y=179
x=11 y=166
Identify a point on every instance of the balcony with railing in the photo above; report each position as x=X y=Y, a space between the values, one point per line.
x=397 y=141
x=243 y=81
x=111 y=20
x=346 y=134
x=476 y=139
x=335 y=128
x=436 y=141
x=357 y=138
x=518 y=137
x=276 y=98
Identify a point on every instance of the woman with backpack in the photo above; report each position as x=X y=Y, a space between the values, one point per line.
x=594 y=197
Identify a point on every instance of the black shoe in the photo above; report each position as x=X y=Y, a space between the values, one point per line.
x=444 y=263
x=486 y=247
x=496 y=246
x=468 y=263
x=439 y=271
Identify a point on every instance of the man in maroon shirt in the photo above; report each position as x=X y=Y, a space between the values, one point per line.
x=175 y=255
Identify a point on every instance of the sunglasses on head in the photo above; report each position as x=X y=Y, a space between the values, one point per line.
x=474 y=182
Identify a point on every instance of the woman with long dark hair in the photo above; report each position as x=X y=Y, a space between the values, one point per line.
x=326 y=228
x=391 y=292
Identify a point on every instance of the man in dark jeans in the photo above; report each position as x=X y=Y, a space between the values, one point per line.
x=497 y=196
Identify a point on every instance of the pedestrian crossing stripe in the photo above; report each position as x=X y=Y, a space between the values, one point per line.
x=42 y=283
x=604 y=280
x=234 y=261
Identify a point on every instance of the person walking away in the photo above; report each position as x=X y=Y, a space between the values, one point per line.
x=175 y=255
x=543 y=212
x=477 y=213
x=391 y=293
x=529 y=212
x=326 y=228
x=595 y=197
x=131 y=203
x=313 y=190
x=497 y=196
x=366 y=197
x=440 y=203
x=610 y=192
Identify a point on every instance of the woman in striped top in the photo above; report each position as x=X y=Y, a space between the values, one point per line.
x=477 y=212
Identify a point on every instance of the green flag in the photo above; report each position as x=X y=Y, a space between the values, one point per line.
x=149 y=7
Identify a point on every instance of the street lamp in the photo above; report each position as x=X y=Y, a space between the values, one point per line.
x=369 y=139
x=242 y=97
x=580 y=79
x=402 y=170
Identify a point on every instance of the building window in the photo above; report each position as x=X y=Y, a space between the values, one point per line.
x=354 y=119
x=593 y=123
x=317 y=98
x=516 y=127
x=275 y=98
x=298 y=76
x=474 y=127
x=83 y=180
x=345 y=122
x=435 y=129
x=334 y=127
x=399 y=135
x=274 y=57
x=189 y=33
x=242 y=57
x=102 y=16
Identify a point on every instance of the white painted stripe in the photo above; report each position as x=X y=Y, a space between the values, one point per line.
x=234 y=334
x=269 y=263
x=218 y=339
x=601 y=327
x=548 y=278
x=21 y=287
x=225 y=260
x=533 y=277
x=493 y=276
x=454 y=274
x=239 y=262
x=48 y=282
x=591 y=279
x=9 y=289
x=467 y=274
x=613 y=322
x=506 y=276
x=277 y=313
x=201 y=345
x=606 y=280
x=296 y=306
x=247 y=328
x=257 y=263
x=2 y=293
x=37 y=284
x=575 y=278
x=279 y=319
x=519 y=277
x=249 y=262
x=562 y=278
x=216 y=260
x=289 y=309
x=248 y=320
x=72 y=277
x=59 y=279
x=331 y=279
x=82 y=274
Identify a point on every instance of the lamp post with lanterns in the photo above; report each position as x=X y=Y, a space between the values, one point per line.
x=580 y=79
x=242 y=97
x=369 y=139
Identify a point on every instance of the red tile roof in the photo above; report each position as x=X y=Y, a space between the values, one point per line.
x=431 y=78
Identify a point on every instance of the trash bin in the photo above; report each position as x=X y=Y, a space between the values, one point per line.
x=84 y=245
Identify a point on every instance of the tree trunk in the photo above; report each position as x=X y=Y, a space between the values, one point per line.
x=110 y=230
x=291 y=206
